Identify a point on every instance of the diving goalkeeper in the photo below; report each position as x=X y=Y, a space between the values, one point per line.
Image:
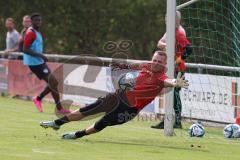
x=123 y=105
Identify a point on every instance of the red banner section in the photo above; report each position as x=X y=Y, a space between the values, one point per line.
x=23 y=82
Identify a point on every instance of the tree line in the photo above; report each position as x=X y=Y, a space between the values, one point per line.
x=85 y=26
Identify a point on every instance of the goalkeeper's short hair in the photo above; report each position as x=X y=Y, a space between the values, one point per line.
x=161 y=53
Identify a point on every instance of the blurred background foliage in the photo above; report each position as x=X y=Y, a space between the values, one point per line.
x=84 y=26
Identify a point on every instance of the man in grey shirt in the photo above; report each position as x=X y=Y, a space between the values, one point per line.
x=12 y=37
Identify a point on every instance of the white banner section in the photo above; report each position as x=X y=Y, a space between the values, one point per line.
x=211 y=97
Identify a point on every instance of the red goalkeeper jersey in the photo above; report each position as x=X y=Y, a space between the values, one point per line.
x=147 y=86
x=181 y=43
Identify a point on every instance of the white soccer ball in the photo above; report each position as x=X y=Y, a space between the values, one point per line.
x=232 y=131
x=196 y=130
x=127 y=80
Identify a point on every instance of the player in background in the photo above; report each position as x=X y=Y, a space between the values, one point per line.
x=183 y=50
x=12 y=38
x=36 y=61
x=123 y=105
x=26 y=22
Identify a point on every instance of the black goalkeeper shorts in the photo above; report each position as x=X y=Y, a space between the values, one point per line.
x=114 y=109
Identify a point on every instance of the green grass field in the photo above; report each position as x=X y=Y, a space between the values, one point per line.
x=23 y=139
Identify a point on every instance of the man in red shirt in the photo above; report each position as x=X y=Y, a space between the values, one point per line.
x=183 y=50
x=123 y=105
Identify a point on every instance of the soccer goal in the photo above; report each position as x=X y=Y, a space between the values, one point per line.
x=213 y=28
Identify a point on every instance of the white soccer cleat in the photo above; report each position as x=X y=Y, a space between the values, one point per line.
x=70 y=135
x=49 y=124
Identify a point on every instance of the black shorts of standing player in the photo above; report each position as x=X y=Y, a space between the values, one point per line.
x=41 y=71
x=115 y=108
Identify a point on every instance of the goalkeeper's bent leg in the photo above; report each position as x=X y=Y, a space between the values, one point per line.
x=82 y=133
x=97 y=127
x=88 y=131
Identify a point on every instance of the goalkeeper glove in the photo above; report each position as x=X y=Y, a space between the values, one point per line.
x=181 y=82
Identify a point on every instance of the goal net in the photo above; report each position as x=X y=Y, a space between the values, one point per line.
x=213 y=28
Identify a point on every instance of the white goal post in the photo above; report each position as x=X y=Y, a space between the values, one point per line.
x=170 y=26
x=169 y=117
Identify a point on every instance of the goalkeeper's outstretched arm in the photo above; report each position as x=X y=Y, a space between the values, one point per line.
x=180 y=82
